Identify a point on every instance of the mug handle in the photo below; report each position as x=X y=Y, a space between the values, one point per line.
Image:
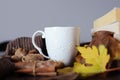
x=35 y=45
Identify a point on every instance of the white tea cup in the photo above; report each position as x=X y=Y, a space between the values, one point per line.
x=60 y=42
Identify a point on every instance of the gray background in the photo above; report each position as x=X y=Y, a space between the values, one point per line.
x=23 y=17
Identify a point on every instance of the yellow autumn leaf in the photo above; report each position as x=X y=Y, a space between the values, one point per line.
x=65 y=70
x=97 y=57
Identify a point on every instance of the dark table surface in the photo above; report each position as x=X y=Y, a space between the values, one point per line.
x=114 y=75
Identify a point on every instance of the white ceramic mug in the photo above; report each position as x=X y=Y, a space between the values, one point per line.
x=60 y=43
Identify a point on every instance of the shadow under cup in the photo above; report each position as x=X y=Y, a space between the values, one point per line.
x=60 y=43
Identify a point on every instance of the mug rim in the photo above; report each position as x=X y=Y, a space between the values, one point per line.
x=62 y=27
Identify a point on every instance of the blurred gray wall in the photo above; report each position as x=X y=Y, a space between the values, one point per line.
x=23 y=17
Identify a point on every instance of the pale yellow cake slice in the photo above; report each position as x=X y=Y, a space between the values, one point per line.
x=114 y=27
x=110 y=17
